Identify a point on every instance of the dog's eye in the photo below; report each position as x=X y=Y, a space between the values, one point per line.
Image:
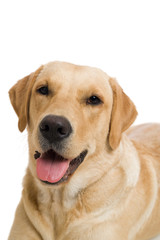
x=93 y=100
x=43 y=90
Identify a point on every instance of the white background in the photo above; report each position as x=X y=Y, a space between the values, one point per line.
x=121 y=37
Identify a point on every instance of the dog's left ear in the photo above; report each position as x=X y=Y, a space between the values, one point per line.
x=20 y=96
x=123 y=114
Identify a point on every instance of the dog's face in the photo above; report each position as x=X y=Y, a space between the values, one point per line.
x=73 y=113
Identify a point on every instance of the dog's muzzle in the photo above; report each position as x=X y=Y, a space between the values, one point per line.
x=52 y=167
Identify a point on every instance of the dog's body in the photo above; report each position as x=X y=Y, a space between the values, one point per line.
x=115 y=192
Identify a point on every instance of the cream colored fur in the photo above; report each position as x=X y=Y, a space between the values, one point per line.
x=115 y=193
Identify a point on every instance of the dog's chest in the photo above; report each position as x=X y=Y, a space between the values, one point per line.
x=74 y=227
x=70 y=225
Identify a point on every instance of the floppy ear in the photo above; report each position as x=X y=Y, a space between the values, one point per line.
x=123 y=114
x=20 y=96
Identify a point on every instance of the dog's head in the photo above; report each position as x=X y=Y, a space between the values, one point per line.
x=73 y=113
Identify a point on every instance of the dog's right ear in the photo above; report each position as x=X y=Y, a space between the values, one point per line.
x=20 y=97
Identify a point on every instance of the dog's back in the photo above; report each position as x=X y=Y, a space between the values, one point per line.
x=146 y=139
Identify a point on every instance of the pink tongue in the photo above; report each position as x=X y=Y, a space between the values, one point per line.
x=51 y=170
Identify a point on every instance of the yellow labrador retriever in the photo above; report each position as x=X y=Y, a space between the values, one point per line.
x=87 y=178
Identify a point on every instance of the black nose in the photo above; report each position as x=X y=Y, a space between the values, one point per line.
x=55 y=128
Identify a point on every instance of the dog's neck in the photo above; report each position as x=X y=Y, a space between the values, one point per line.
x=117 y=177
x=110 y=160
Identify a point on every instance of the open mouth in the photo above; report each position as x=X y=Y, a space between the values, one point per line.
x=54 y=169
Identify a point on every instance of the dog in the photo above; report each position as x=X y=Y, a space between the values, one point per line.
x=90 y=175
